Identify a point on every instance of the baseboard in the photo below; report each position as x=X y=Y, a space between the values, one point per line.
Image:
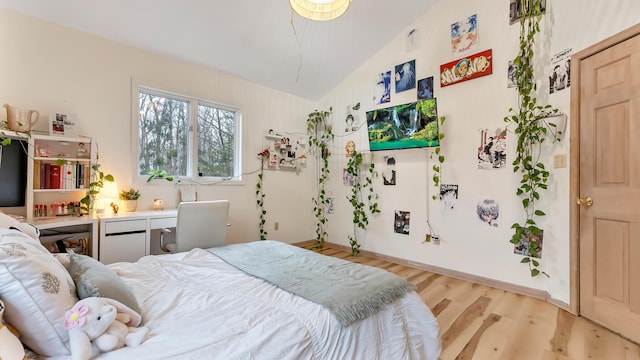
x=522 y=290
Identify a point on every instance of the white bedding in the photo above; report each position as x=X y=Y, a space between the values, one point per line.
x=199 y=307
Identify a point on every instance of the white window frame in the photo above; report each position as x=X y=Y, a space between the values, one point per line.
x=192 y=157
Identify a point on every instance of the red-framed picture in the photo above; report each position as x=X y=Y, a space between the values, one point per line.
x=466 y=68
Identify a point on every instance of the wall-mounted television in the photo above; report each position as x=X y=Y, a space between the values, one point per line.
x=13 y=174
x=406 y=126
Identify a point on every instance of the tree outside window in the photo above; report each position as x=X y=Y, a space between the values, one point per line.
x=168 y=126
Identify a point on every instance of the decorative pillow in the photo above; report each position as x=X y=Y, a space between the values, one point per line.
x=7 y=221
x=93 y=278
x=36 y=290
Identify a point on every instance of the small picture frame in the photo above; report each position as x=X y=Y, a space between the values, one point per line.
x=62 y=124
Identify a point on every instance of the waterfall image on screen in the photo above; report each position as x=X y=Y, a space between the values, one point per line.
x=413 y=125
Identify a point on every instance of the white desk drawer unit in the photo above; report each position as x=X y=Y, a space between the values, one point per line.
x=163 y=223
x=126 y=236
x=125 y=226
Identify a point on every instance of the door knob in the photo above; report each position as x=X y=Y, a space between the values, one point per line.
x=585 y=201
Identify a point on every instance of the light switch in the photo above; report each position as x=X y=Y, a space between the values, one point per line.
x=560 y=161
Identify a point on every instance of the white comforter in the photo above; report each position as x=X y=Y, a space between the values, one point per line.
x=199 y=307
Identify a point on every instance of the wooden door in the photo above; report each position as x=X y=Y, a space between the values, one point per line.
x=609 y=234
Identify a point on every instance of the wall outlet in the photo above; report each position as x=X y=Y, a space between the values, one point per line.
x=436 y=239
x=276 y=226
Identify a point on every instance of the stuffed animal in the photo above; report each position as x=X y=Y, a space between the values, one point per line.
x=10 y=346
x=105 y=323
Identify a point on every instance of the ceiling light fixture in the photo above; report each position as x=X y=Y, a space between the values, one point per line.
x=320 y=10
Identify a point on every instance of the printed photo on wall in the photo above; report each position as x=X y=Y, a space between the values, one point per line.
x=389 y=172
x=349 y=148
x=347 y=178
x=492 y=150
x=62 y=124
x=405 y=76
x=425 y=88
x=401 y=222
x=464 y=34
x=352 y=119
x=560 y=79
x=531 y=245
x=489 y=212
x=449 y=195
x=467 y=68
x=515 y=10
x=511 y=75
x=382 y=88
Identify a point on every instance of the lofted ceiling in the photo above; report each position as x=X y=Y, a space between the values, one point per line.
x=261 y=41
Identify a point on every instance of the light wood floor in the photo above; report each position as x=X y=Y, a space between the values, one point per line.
x=483 y=323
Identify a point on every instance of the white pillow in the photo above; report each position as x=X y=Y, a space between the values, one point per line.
x=10 y=222
x=36 y=290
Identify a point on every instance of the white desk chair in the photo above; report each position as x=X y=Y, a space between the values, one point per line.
x=200 y=224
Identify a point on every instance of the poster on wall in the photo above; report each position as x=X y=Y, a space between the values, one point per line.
x=488 y=211
x=560 y=78
x=449 y=195
x=425 y=88
x=405 y=76
x=515 y=10
x=511 y=74
x=382 y=88
x=467 y=68
x=526 y=244
x=62 y=124
x=389 y=172
x=492 y=150
x=464 y=34
x=347 y=178
x=401 y=222
x=352 y=120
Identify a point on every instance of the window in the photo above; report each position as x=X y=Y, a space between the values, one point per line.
x=186 y=137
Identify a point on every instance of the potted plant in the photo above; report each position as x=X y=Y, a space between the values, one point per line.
x=129 y=199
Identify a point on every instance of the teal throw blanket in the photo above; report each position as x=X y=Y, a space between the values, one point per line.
x=350 y=291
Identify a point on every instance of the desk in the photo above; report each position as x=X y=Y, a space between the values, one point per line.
x=69 y=227
x=127 y=236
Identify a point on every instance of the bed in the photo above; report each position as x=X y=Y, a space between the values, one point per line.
x=198 y=305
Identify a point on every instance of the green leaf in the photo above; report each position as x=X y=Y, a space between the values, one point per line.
x=525 y=260
x=535 y=272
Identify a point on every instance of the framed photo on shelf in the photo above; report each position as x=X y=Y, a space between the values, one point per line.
x=62 y=124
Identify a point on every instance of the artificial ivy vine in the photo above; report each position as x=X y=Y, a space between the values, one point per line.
x=87 y=203
x=530 y=130
x=320 y=139
x=362 y=185
x=262 y=213
x=437 y=168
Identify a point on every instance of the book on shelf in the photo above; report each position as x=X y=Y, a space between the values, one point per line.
x=36 y=174
x=47 y=176
x=43 y=182
x=55 y=177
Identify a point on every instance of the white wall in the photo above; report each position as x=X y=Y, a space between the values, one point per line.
x=55 y=69
x=51 y=68
x=467 y=244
